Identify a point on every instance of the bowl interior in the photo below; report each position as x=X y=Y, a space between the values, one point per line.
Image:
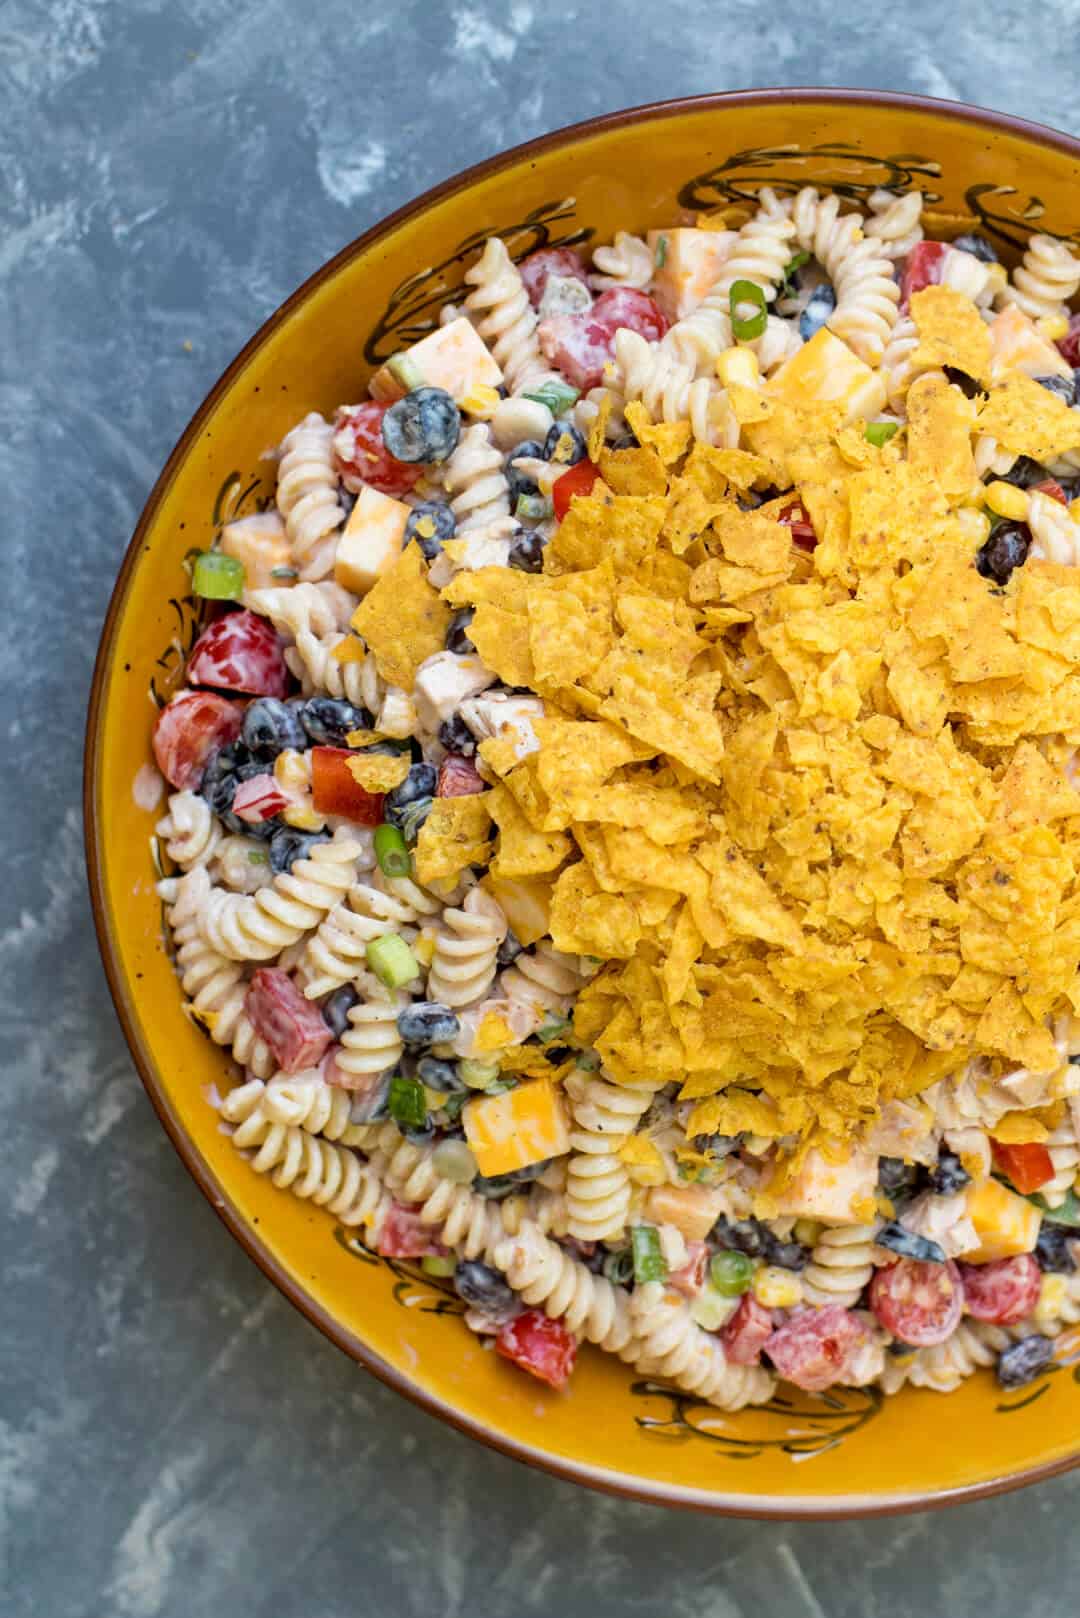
x=836 y=1453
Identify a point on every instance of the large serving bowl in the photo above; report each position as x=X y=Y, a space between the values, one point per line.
x=841 y=1453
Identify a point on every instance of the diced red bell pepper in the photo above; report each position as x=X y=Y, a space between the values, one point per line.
x=293 y=1027
x=1003 y=1292
x=1028 y=1166
x=258 y=798
x=361 y=456
x=547 y=261
x=459 y=778
x=1051 y=487
x=796 y=518
x=813 y=1347
x=240 y=652
x=404 y=1235
x=540 y=1346
x=1069 y=346
x=577 y=479
x=747 y=1332
x=690 y=1279
x=923 y=269
x=335 y=791
x=188 y=729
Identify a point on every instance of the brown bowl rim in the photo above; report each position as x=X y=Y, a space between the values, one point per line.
x=819 y=1508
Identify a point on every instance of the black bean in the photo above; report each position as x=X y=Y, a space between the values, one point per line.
x=908 y=1244
x=967 y=384
x=457 y=638
x=288 y=844
x=1023 y=473
x=527 y=552
x=530 y=449
x=271 y=726
x=420 y=782
x=436 y=1074
x=428 y=1022
x=787 y=1255
x=978 y=246
x=1005 y=551
x=749 y=1236
x=456 y=737
x=897 y=1178
x=1023 y=1361
x=565 y=444
x=1063 y=386
x=328 y=720
x=819 y=306
x=411 y=818
x=481 y=1287
x=509 y=949
x=1055 y=1250
x=430 y=523
x=948 y=1175
x=498 y=1186
x=336 y=1010
x=424 y=426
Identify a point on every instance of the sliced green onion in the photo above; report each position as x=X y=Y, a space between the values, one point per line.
x=436 y=1264
x=588 y=1061
x=730 y=1273
x=649 y=1261
x=1066 y=1213
x=744 y=328
x=552 y=1028
x=408 y=1104
x=284 y=573
x=879 y=432
x=404 y=369
x=534 y=506
x=392 y=961
x=477 y=1075
x=218 y=577
x=619 y=1266
x=391 y=851
x=258 y=856
x=660 y=255
x=793 y=264
x=413 y=815
x=558 y=396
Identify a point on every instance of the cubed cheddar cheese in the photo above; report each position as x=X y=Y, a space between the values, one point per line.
x=1005 y=1222
x=371 y=540
x=831 y=1192
x=1015 y=345
x=454 y=357
x=260 y=542
x=526 y=904
x=692 y=260
x=825 y=371
x=693 y=1209
x=522 y=1126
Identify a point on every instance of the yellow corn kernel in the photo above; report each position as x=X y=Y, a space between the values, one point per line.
x=807 y=1231
x=1052 y=327
x=303 y=817
x=292 y=770
x=739 y=365
x=481 y=401
x=1052 y=1297
x=423 y=948
x=975 y=523
x=1006 y=500
x=775 y=1288
x=1074 y=510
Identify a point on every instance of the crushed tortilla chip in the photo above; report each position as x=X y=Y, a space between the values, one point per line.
x=378 y=772
x=951 y=332
x=402 y=619
x=453 y=837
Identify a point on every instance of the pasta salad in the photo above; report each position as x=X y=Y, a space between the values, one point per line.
x=623 y=812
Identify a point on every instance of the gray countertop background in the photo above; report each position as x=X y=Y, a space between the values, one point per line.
x=174 y=1439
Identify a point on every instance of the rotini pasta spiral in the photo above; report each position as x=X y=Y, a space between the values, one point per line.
x=1046 y=280
x=840 y=1266
x=313 y=662
x=1064 y=1149
x=973 y=1345
x=310 y=1102
x=371 y=1044
x=464 y=963
x=674 y=1348
x=895 y=363
x=550 y=1279
x=760 y=254
x=296 y=609
x=896 y=221
x=544 y=978
x=215 y=985
x=475 y=481
x=1055 y=536
x=651 y=373
x=628 y=262
x=317 y=1170
x=190 y=830
x=867 y=297
x=597 y=1185
x=500 y=308
x=990 y=457
x=253 y=927
x=307 y=496
x=336 y=951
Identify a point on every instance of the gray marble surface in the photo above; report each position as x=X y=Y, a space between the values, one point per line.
x=174 y=1439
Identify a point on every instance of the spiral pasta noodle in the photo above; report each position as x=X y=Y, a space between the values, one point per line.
x=307 y=496
x=628 y=262
x=215 y=985
x=463 y=966
x=867 y=297
x=548 y=1278
x=760 y=254
x=504 y=317
x=1064 y=1149
x=190 y=831
x=313 y=662
x=475 y=481
x=1046 y=280
x=840 y=1266
x=309 y=1101
x=337 y=950
x=675 y=1348
x=896 y=221
x=598 y=1187
x=296 y=609
x=896 y=361
x=371 y=1044
x=544 y=978
x=1055 y=536
x=669 y=392
x=252 y=927
x=972 y=1346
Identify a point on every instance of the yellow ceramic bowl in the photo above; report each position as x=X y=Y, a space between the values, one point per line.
x=829 y=1455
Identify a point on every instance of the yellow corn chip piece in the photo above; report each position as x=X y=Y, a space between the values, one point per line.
x=1028 y=419
x=951 y=332
x=453 y=837
x=402 y=619
x=940 y=424
x=587 y=921
x=379 y=772
x=521 y=849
